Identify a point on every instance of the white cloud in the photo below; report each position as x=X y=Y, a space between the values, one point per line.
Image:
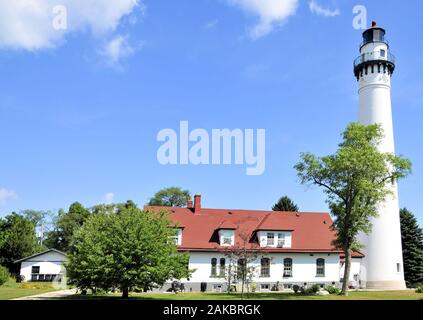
x=115 y=50
x=211 y=24
x=322 y=11
x=29 y=24
x=271 y=13
x=7 y=195
x=108 y=198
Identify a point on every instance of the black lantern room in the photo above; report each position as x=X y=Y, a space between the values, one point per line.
x=374 y=34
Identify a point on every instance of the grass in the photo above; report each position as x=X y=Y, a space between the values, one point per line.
x=11 y=289
x=354 y=295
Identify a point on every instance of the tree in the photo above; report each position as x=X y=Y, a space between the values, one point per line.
x=17 y=240
x=43 y=221
x=112 y=208
x=355 y=179
x=241 y=262
x=170 y=197
x=285 y=204
x=4 y=275
x=65 y=226
x=412 y=248
x=128 y=250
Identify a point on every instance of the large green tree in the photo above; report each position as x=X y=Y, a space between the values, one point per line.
x=170 y=197
x=355 y=179
x=412 y=248
x=285 y=204
x=65 y=225
x=127 y=250
x=17 y=239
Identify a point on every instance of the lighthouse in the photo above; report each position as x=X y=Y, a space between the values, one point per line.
x=383 y=263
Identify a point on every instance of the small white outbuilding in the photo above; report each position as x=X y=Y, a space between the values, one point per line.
x=46 y=266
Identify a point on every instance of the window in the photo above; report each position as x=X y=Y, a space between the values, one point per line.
x=398 y=267
x=213 y=267
x=217 y=288
x=226 y=237
x=176 y=238
x=265 y=268
x=320 y=267
x=281 y=240
x=270 y=239
x=227 y=240
x=35 y=270
x=222 y=267
x=383 y=53
x=264 y=286
x=287 y=268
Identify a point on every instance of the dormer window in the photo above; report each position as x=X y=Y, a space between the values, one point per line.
x=177 y=237
x=275 y=239
x=226 y=237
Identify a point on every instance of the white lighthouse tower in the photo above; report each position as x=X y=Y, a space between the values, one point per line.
x=383 y=263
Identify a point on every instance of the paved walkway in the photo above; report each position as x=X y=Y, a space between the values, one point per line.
x=55 y=295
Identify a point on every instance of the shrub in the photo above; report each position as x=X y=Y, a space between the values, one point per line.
x=4 y=275
x=310 y=291
x=333 y=290
x=419 y=289
x=296 y=288
x=314 y=289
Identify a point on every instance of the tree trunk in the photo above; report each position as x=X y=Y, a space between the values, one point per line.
x=347 y=272
x=229 y=283
x=242 y=287
x=125 y=292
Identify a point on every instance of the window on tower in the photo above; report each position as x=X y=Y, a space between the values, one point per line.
x=383 y=53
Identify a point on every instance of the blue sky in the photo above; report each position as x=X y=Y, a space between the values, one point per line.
x=80 y=108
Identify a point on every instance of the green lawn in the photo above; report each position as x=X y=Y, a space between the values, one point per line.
x=362 y=295
x=11 y=289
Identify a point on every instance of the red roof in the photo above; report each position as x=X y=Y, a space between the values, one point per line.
x=227 y=225
x=310 y=231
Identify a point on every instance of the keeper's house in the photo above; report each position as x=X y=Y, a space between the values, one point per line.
x=294 y=247
x=45 y=266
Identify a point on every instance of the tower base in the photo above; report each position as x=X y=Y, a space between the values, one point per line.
x=386 y=285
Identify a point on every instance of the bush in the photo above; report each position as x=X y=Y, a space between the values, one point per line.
x=4 y=275
x=296 y=288
x=333 y=290
x=419 y=289
x=314 y=289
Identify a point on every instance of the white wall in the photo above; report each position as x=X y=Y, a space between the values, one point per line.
x=49 y=263
x=355 y=270
x=304 y=268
